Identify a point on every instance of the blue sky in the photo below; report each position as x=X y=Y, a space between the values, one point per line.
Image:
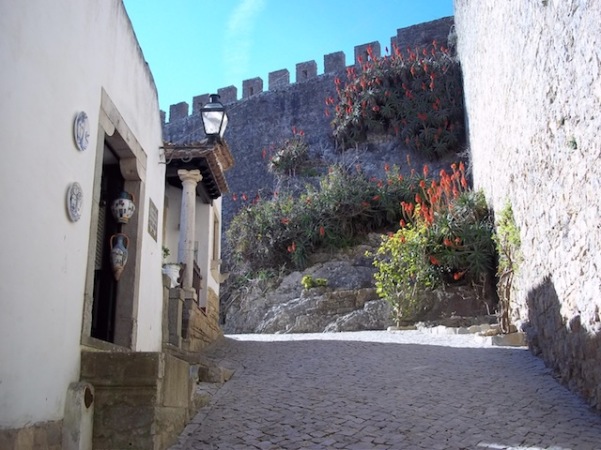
x=196 y=47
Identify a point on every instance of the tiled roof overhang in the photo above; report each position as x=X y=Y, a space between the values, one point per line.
x=211 y=159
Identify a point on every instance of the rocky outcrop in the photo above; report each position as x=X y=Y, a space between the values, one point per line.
x=349 y=302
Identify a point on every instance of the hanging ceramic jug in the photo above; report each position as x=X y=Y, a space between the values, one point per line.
x=119 y=243
x=123 y=207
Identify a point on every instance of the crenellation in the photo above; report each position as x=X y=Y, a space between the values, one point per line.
x=228 y=94
x=252 y=87
x=279 y=79
x=415 y=35
x=423 y=34
x=198 y=102
x=178 y=111
x=361 y=52
x=334 y=62
x=305 y=71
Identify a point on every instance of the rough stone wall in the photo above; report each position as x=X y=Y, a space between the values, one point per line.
x=533 y=98
x=262 y=118
x=47 y=435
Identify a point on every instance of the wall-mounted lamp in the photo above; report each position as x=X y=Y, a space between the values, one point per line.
x=214 y=123
x=214 y=118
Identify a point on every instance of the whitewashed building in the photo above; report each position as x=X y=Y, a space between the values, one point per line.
x=80 y=124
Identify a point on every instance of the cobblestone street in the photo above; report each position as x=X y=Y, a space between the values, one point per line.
x=382 y=390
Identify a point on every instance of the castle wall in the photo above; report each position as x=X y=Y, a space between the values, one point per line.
x=532 y=80
x=261 y=118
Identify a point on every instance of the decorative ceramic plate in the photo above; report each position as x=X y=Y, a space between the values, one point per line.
x=74 y=201
x=81 y=131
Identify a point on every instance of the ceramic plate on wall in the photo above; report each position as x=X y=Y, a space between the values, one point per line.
x=74 y=201
x=81 y=131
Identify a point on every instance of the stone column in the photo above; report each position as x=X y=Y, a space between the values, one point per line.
x=185 y=246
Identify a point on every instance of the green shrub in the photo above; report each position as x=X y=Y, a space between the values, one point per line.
x=309 y=282
x=290 y=157
x=508 y=243
x=447 y=238
x=404 y=273
x=346 y=205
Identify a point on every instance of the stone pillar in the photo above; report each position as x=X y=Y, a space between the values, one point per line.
x=185 y=246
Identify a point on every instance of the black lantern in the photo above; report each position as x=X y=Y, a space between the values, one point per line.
x=214 y=118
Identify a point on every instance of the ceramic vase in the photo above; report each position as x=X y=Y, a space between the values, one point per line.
x=119 y=243
x=123 y=207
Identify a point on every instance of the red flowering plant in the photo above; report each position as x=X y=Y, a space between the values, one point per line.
x=345 y=206
x=446 y=236
x=416 y=96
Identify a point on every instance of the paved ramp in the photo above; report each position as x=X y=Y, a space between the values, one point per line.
x=380 y=390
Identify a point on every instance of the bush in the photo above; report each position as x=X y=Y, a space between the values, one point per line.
x=290 y=157
x=417 y=97
x=447 y=237
x=346 y=205
x=404 y=272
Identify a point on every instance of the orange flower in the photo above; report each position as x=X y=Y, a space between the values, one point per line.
x=285 y=220
x=322 y=231
x=458 y=275
x=447 y=242
x=422 y=184
x=375 y=198
x=386 y=167
x=434 y=261
x=402 y=223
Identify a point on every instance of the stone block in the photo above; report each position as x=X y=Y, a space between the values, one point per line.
x=279 y=79
x=334 y=62
x=252 y=87
x=306 y=71
x=178 y=111
x=176 y=383
x=228 y=94
x=509 y=340
x=198 y=102
x=361 y=52
x=175 y=312
x=120 y=369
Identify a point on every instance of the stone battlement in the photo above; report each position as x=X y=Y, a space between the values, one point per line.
x=416 y=35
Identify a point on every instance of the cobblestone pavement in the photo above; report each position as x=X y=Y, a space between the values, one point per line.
x=381 y=390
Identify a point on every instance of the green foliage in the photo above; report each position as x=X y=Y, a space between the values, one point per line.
x=448 y=240
x=417 y=97
x=291 y=156
x=309 y=282
x=461 y=239
x=283 y=230
x=507 y=241
x=404 y=271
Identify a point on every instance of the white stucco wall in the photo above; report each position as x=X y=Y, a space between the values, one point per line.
x=55 y=58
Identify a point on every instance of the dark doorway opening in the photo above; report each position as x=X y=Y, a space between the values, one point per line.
x=105 y=285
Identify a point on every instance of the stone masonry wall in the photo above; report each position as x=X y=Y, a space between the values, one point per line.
x=262 y=118
x=532 y=81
